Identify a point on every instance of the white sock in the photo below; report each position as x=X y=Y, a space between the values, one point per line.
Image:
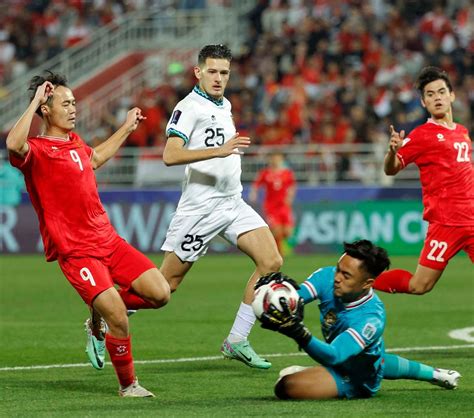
x=243 y=323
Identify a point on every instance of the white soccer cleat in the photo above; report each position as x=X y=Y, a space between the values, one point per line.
x=447 y=379
x=290 y=370
x=135 y=391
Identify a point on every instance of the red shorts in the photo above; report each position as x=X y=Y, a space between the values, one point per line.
x=279 y=216
x=90 y=276
x=443 y=242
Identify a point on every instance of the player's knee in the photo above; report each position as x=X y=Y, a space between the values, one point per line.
x=272 y=263
x=282 y=389
x=286 y=388
x=161 y=297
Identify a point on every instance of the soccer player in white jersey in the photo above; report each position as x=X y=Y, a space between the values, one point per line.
x=202 y=134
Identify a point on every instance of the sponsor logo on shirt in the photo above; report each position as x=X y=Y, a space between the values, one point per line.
x=213 y=119
x=440 y=137
x=330 y=319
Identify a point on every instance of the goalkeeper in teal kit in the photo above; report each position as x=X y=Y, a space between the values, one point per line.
x=352 y=358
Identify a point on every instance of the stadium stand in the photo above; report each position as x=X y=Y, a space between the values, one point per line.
x=326 y=77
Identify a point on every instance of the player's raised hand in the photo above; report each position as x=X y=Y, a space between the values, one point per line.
x=396 y=140
x=233 y=144
x=134 y=117
x=44 y=92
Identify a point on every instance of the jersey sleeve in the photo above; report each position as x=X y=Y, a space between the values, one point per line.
x=351 y=342
x=23 y=162
x=366 y=330
x=182 y=122
x=338 y=351
x=317 y=285
x=412 y=148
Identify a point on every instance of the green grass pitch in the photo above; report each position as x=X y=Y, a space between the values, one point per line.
x=41 y=320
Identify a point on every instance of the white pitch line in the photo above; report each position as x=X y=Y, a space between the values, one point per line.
x=212 y=358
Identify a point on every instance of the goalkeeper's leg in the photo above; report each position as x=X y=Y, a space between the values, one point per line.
x=307 y=383
x=397 y=367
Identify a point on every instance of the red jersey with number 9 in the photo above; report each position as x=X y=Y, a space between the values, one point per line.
x=61 y=183
x=443 y=156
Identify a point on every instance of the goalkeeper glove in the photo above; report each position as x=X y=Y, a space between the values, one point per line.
x=276 y=277
x=287 y=323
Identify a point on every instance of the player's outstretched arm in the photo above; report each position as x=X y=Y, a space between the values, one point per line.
x=392 y=164
x=175 y=152
x=107 y=149
x=17 y=137
x=338 y=351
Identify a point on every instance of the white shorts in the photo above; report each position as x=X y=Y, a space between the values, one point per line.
x=189 y=236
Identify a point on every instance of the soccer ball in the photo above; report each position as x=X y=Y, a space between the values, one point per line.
x=272 y=294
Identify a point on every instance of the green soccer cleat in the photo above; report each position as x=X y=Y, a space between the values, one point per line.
x=243 y=352
x=95 y=348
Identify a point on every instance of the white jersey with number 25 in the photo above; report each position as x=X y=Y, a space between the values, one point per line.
x=203 y=122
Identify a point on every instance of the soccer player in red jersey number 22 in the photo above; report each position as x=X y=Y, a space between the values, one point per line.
x=58 y=167
x=442 y=151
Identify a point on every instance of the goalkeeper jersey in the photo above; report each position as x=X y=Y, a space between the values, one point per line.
x=352 y=331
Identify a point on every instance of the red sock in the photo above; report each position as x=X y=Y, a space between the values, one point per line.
x=133 y=301
x=120 y=351
x=393 y=281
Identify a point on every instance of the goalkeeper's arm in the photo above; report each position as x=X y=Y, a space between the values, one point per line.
x=291 y=325
x=338 y=351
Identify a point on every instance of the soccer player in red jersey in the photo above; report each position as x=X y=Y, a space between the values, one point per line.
x=58 y=167
x=442 y=151
x=279 y=184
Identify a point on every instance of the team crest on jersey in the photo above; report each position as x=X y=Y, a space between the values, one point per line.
x=369 y=331
x=440 y=137
x=330 y=319
x=176 y=116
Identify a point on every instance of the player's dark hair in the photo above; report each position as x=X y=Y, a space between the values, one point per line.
x=54 y=78
x=219 y=51
x=429 y=74
x=374 y=259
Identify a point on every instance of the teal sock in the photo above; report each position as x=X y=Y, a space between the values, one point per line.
x=397 y=367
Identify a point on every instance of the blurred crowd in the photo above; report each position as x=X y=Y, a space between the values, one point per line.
x=342 y=71
x=33 y=31
x=311 y=71
x=333 y=72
